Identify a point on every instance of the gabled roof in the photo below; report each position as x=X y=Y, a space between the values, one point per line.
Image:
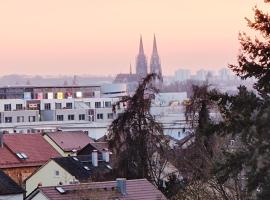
x=8 y=186
x=69 y=141
x=81 y=166
x=99 y=146
x=102 y=139
x=139 y=189
x=35 y=149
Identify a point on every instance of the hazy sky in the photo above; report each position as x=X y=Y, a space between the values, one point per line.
x=102 y=36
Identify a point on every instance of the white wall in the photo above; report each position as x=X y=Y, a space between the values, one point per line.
x=46 y=176
x=39 y=196
x=12 y=197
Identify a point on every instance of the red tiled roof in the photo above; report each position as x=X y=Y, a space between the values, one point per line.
x=34 y=146
x=138 y=189
x=69 y=141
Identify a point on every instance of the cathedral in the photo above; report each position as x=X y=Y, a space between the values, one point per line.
x=142 y=67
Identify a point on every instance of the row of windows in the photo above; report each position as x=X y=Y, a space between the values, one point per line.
x=7 y=107
x=47 y=106
x=20 y=119
x=58 y=118
x=70 y=117
x=109 y=116
x=107 y=104
x=82 y=117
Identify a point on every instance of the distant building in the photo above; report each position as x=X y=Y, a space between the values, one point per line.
x=201 y=75
x=182 y=75
x=139 y=189
x=133 y=80
x=225 y=74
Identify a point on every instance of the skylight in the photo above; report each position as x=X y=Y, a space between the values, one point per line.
x=60 y=190
x=75 y=158
x=109 y=166
x=24 y=155
x=21 y=155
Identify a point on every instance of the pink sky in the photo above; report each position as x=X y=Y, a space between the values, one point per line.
x=101 y=37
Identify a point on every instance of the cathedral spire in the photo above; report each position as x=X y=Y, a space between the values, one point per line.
x=141 y=51
x=141 y=62
x=155 y=46
x=155 y=65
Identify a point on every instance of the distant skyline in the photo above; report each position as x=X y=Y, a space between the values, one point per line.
x=66 y=37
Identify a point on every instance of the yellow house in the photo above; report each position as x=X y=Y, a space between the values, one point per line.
x=68 y=143
x=50 y=174
x=69 y=170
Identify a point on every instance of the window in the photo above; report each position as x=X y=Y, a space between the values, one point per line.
x=88 y=104
x=47 y=106
x=8 y=119
x=56 y=173
x=99 y=116
x=7 y=107
x=81 y=116
x=58 y=106
x=97 y=104
x=91 y=118
x=110 y=115
x=32 y=118
x=19 y=106
x=20 y=119
x=108 y=104
x=60 y=117
x=70 y=117
x=68 y=105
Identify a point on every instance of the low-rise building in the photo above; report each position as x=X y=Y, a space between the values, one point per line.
x=22 y=154
x=70 y=170
x=67 y=143
x=139 y=189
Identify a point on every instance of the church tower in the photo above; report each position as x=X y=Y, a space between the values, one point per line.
x=141 y=62
x=155 y=66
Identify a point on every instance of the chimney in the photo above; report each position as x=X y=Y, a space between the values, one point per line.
x=121 y=185
x=106 y=155
x=1 y=139
x=94 y=158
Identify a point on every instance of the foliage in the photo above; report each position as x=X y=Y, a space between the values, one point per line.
x=137 y=138
x=245 y=118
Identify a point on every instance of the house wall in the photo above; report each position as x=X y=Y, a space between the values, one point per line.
x=46 y=176
x=20 y=174
x=39 y=196
x=12 y=197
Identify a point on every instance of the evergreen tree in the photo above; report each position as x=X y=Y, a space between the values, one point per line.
x=137 y=138
x=246 y=116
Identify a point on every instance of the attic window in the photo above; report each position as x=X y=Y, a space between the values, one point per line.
x=87 y=168
x=21 y=155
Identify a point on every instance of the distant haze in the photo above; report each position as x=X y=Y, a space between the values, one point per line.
x=66 y=37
